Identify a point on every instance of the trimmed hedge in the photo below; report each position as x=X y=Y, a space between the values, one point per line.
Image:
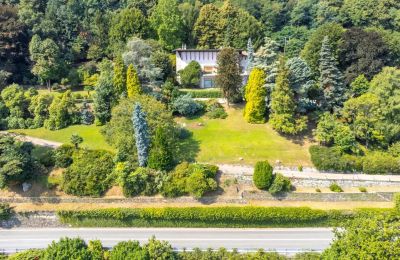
x=202 y=93
x=211 y=217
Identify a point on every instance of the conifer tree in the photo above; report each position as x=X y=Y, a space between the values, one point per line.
x=161 y=156
x=142 y=137
x=132 y=82
x=255 y=110
x=283 y=107
x=119 y=79
x=331 y=79
x=250 y=55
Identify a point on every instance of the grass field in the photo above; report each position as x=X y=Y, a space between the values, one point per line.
x=227 y=140
x=90 y=134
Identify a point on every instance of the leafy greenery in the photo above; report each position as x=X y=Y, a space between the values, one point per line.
x=190 y=76
x=255 y=110
x=335 y=187
x=263 y=176
x=5 y=211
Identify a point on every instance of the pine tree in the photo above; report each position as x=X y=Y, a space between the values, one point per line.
x=283 y=107
x=255 y=110
x=250 y=56
x=142 y=137
x=132 y=82
x=331 y=79
x=161 y=157
x=119 y=79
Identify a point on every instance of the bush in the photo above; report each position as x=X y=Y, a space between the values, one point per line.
x=396 y=199
x=143 y=181
x=186 y=106
x=394 y=149
x=318 y=190
x=215 y=110
x=5 y=211
x=44 y=155
x=128 y=250
x=63 y=155
x=67 y=248
x=89 y=173
x=280 y=184
x=381 y=163
x=263 y=175
x=331 y=159
x=31 y=254
x=190 y=76
x=198 y=183
x=362 y=189
x=203 y=93
x=335 y=187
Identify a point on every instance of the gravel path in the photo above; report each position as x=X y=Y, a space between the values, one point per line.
x=33 y=140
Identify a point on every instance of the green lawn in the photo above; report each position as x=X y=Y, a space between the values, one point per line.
x=91 y=135
x=225 y=141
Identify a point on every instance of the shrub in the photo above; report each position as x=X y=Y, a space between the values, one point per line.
x=381 y=163
x=394 y=149
x=44 y=155
x=396 y=199
x=263 y=177
x=335 y=187
x=89 y=173
x=63 y=155
x=280 y=184
x=191 y=75
x=215 y=110
x=318 y=190
x=67 y=248
x=140 y=182
x=198 y=183
x=128 y=250
x=31 y=254
x=203 y=93
x=362 y=189
x=5 y=211
x=331 y=159
x=186 y=106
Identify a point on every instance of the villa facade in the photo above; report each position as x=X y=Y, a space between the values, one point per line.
x=208 y=62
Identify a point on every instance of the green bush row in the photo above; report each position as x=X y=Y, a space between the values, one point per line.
x=212 y=217
x=331 y=159
x=206 y=93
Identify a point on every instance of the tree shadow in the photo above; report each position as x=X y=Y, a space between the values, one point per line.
x=306 y=136
x=187 y=148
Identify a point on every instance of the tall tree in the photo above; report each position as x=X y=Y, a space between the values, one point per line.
x=255 y=94
x=267 y=58
x=283 y=116
x=208 y=28
x=228 y=77
x=250 y=55
x=190 y=11
x=119 y=78
x=46 y=56
x=331 y=78
x=142 y=136
x=161 y=155
x=132 y=82
x=167 y=21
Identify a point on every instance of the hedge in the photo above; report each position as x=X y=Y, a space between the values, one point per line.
x=203 y=93
x=248 y=216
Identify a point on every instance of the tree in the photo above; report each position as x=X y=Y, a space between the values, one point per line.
x=331 y=79
x=67 y=248
x=190 y=76
x=359 y=86
x=76 y=140
x=326 y=128
x=208 y=28
x=39 y=108
x=119 y=78
x=160 y=250
x=256 y=93
x=267 y=58
x=105 y=97
x=372 y=237
x=167 y=22
x=161 y=156
x=62 y=112
x=46 y=56
x=141 y=134
x=128 y=250
x=283 y=107
x=190 y=11
x=250 y=56
x=132 y=82
x=228 y=77
x=311 y=51
x=263 y=175
x=362 y=52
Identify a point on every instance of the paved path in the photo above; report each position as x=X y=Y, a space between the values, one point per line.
x=34 y=140
x=308 y=173
x=286 y=241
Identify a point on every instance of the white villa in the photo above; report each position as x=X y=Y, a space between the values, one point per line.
x=208 y=62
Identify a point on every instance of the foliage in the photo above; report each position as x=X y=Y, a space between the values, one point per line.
x=76 y=140
x=331 y=159
x=30 y=254
x=132 y=82
x=142 y=181
x=190 y=76
x=185 y=105
x=142 y=135
x=335 y=187
x=16 y=162
x=198 y=183
x=374 y=237
x=160 y=250
x=280 y=184
x=130 y=250
x=255 y=95
x=119 y=76
x=263 y=176
x=89 y=173
x=5 y=211
x=39 y=107
x=359 y=86
x=67 y=248
x=396 y=200
x=381 y=163
x=202 y=93
x=331 y=79
x=394 y=149
x=63 y=155
x=62 y=112
x=228 y=77
x=215 y=110
x=283 y=106
x=161 y=156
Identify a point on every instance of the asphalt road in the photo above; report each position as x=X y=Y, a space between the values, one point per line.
x=287 y=241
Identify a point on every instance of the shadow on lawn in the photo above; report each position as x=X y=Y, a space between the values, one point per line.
x=188 y=147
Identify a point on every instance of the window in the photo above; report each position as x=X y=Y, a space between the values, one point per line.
x=208 y=83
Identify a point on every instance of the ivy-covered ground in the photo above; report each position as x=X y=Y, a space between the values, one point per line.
x=228 y=140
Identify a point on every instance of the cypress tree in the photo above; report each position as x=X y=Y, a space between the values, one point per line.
x=331 y=79
x=132 y=82
x=255 y=95
x=142 y=137
x=119 y=79
x=283 y=106
x=161 y=157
